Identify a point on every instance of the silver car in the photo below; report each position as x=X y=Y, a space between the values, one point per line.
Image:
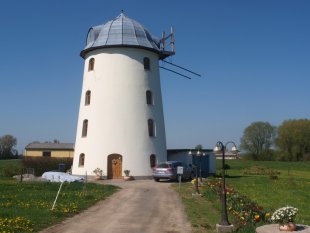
x=168 y=170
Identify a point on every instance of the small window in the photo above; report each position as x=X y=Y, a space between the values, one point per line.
x=91 y=64
x=149 y=98
x=85 y=126
x=81 y=160
x=146 y=63
x=46 y=154
x=87 y=98
x=153 y=160
x=151 y=127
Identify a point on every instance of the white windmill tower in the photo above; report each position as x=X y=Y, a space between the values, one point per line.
x=121 y=122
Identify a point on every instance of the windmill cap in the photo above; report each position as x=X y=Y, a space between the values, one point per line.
x=122 y=32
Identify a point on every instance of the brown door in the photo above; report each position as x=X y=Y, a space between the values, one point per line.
x=114 y=166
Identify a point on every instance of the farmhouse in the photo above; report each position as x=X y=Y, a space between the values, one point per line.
x=49 y=149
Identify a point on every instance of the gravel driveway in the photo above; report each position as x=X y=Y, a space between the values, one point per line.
x=141 y=206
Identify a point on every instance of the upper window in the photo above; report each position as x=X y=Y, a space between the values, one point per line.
x=146 y=63
x=91 y=64
x=87 y=97
x=46 y=154
x=153 y=160
x=149 y=97
x=85 y=126
x=81 y=160
x=151 y=127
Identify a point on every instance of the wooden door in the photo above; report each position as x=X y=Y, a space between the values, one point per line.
x=114 y=166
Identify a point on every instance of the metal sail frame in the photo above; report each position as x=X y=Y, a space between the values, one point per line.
x=163 y=45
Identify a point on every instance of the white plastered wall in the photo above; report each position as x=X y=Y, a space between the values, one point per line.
x=118 y=113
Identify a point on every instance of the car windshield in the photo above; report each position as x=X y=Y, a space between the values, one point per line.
x=163 y=165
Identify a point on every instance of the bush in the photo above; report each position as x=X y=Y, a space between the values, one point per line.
x=10 y=168
x=258 y=170
x=11 y=171
x=44 y=164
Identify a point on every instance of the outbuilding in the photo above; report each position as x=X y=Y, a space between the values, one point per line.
x=49 y=149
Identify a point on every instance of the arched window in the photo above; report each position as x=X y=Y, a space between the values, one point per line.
x=149 y=97
x=146 y=63
x=85 y=126
x=91 y=64
x=153 y=160
x=87 y=97
x=151 y=127
x=81 y=160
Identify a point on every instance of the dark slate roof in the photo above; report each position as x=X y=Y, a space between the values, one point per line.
x=124 y=32
x=49 y=146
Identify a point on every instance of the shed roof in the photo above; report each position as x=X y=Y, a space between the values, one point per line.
x=49 y=146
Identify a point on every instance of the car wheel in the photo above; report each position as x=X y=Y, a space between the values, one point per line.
x=156 y=179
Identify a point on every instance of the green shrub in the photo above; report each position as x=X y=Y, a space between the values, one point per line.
x=260 y=170
x=9 y=168
x=11 y=171
x=44 y=164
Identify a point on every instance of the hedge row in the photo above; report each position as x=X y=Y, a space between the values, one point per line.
x=43 y=164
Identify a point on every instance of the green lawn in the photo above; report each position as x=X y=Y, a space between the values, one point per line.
x=203 y=213
x=292 y=187
x=26 y=206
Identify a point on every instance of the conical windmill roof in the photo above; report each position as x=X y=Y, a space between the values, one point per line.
x=121 y=32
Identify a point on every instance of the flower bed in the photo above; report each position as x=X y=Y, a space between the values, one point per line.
x=244 y=210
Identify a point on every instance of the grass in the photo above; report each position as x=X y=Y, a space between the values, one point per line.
x=292 y=187
x=203 y=213
x=26 y=206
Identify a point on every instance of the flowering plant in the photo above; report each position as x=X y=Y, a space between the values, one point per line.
x=194 y=181
x=98 y=171
x=284 y=215
x=127 y=172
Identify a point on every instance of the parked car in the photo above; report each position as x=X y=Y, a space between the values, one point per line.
x=168 y=170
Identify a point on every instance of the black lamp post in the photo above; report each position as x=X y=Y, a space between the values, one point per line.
x=221 y=148
x=197 y=154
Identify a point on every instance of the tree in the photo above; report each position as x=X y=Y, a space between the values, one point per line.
x=257 y=140
x=7 y=144
x=198 y=147
x=294 y=139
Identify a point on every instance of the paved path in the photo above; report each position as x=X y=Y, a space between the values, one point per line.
x=141 y=206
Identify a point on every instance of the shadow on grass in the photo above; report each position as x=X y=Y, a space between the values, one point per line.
x=234 y=177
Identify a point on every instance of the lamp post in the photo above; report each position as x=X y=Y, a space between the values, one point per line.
x=198 y=154
x=221 y=148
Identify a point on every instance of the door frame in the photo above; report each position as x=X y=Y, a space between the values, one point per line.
x=114 y=174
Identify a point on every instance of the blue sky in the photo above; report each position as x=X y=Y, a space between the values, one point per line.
x=253 y=56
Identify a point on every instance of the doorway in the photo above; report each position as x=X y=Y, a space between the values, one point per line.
x=115 y=166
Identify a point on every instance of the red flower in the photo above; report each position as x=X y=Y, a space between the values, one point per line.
x=257 y=218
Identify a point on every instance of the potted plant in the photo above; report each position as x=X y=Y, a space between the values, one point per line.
x=127 y=175
x=285 y=216
x=98 y=173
